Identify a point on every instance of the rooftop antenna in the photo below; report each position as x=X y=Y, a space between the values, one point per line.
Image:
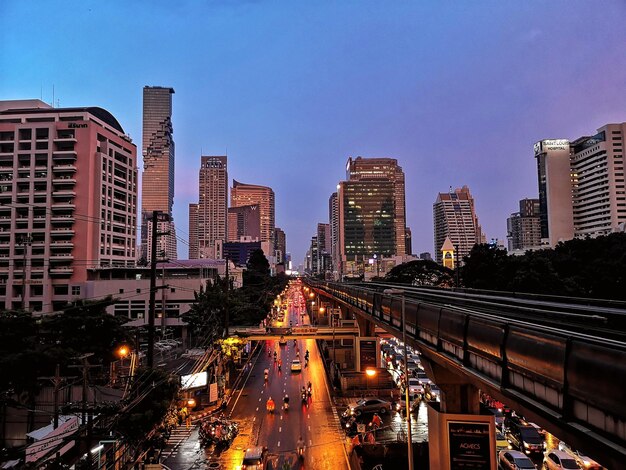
x=52 y=96
x=41 y=92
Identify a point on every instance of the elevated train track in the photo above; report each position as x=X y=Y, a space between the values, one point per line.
x=562 y=366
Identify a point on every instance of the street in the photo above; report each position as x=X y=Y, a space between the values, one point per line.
x=316 y=421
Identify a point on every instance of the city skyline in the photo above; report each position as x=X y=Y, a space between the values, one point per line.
x=288 y=92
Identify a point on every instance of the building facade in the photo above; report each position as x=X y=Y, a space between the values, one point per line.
x=157 y=185
x=68 y=201
x=211 y=225
x=280 y=245
x=455 y=217
x=250 y=194
x=385 y=169
x=524 y=227
x=193 y=231
x=555 y=190
x=366 y=224
x=244 y=221
x=598 y=190
x=333 y=217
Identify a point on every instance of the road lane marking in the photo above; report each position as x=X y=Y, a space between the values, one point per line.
x=278 y=443
x=257 y=408
x=281 y=417
x=259 y=399
x=280 y=429
x=309 y=428
x=254 y=418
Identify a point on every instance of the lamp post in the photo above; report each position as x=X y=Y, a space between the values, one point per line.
x=407 y=407
x=369 y=372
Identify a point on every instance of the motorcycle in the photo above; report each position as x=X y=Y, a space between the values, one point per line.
x=218 y=431
x=270 y=407
x=286 y=405
x=305 y=399
x=301 y=453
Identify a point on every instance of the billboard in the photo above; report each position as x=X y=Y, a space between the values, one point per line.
x=193 y=380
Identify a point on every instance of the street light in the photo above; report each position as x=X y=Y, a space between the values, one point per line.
x=369 y=372
x=406 y=376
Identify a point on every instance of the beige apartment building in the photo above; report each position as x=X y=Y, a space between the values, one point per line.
x=455 y=218
x=68 y=201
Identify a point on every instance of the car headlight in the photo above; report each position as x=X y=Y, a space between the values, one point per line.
x=526 y=445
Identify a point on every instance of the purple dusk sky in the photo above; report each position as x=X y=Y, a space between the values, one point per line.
x=458 y=92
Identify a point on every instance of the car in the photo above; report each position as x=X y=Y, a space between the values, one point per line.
x=254 y=458
x=498 y=415
x=559 y=460
x=432 y=393
x=421 y=376
x=501 y=442
x=524 y=437
x=583 y=461
x=415 y=388
x=282 y=341
x=296 y=365
x=514 y=460
x=369 y=405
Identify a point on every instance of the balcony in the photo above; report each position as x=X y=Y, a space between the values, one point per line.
x=63 y=256
x=62 y=218
x=64 y=193
x=64 y=167
x=62 y=139
x=61 y=244
x=61 y=231
x=64 y=155
x=61 y=271
x=63 y=179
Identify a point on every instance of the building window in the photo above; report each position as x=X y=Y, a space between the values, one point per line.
x=75 y=290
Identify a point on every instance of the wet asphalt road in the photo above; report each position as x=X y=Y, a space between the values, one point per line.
x=316 y=421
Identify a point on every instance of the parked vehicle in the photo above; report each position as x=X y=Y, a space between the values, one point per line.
x=370 y=405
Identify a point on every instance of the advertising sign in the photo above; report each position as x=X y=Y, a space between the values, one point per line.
x=36 y=451
x=469 y=445
x=367 y=356
x=193 y=380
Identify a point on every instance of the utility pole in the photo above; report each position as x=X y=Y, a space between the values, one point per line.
x=458 y=268
x=56 y=380
x=85 y=366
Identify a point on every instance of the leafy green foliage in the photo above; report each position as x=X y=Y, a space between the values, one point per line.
x=421 y=273
x=31 y=348
x=149 y=402
x=591 y=267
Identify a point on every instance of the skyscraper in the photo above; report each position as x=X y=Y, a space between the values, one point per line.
x=68 y=201
x=555 y=190
x=333 y=217
x=243 y=194
x=280 y=247
x=244 y=222
x=455 y=218
x=157 y=185
x=363 y=169
x=212 y=206
x=598 y=191
x=524 y=227
x=193 y=231
x=366 y=223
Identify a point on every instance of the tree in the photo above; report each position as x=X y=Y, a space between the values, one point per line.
x=421 y=273
x=207 y=314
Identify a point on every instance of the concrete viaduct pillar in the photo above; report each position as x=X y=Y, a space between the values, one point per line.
x=457 y=396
